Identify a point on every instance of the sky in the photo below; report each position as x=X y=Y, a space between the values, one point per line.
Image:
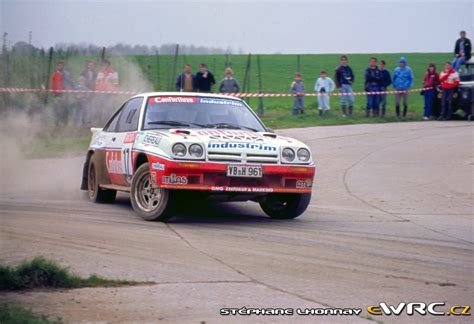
x=258 y=26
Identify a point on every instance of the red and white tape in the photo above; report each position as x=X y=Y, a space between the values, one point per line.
x=239 y=95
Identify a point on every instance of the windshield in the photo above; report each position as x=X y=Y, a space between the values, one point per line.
x=199 y=112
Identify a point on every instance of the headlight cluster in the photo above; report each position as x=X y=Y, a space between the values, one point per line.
x=288 y=155
x=195 y=150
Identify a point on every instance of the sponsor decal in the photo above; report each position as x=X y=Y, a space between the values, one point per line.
x=114 y=162
x=251 y=146
x=153 y=177
x=241 y=189
x=172 y=100
x=217 y=101
x=157 y=166
x=151 y=140
x=174 y=179
x=231 y=133
x=129 y=138
x=304 y=183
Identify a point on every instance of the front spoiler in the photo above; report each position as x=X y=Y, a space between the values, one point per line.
x=211 y=176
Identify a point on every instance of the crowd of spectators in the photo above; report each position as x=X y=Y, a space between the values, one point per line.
x=377 y=80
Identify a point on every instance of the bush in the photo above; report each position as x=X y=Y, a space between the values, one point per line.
x=16 y=314
x=42 y=273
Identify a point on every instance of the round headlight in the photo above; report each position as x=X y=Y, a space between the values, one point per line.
x=196 y=150
x=303 y=155
x=179 y=150
x=288 y=155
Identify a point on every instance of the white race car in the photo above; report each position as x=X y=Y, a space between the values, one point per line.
x=167 y=148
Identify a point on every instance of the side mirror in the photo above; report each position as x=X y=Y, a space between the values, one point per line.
x=270 y=130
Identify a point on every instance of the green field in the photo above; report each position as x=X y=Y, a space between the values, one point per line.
x=141 y=73
x=278 y=72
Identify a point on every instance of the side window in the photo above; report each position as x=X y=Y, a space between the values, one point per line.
x=128 y=120
x=112 y=123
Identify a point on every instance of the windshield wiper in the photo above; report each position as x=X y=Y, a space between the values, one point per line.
x=172 y=123
x=229 y=126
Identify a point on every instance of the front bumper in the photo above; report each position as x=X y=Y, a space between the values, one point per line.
x=211 y=176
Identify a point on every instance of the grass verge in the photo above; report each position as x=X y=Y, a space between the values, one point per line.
x=42 y=273
x=13 y=314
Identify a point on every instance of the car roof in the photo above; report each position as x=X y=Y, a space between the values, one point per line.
x=185 y=94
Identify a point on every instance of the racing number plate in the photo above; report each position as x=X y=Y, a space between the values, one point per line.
x=245 y=171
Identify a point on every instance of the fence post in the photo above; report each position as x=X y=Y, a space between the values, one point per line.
x=158 y=78
x=5 y=68
x=175 y=62
x=260 y=86
x=48 y=74
x=214 y=65
x=148 y=68
x=102 y=55
x=246 y=85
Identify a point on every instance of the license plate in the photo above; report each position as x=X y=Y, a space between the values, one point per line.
x=245 y=171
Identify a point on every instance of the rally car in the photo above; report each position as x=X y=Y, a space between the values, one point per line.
x=164 y=148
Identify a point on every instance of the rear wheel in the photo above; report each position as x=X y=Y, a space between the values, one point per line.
x=97 y=194
x=285 y=206
x=150 y=203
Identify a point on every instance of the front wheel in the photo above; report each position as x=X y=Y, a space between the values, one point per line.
x=150 y=203
x=285 y=206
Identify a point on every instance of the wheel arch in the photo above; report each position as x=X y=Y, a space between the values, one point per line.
x=85 y=170
x=139 y=160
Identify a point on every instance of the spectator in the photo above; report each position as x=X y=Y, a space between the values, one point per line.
x=229 y=84
x=372 y=84
x=449 y=79
x=462 y=51
x=297 y=89
x=107 y=79
x=56 y=84
x=90 y=75
x=324 y=86
x=81 y=113
x=402 y=81
x=431 y=80
x=204 y=79
x=186 y=81
x=61 y=80
x=344 y=79
x=385 y=82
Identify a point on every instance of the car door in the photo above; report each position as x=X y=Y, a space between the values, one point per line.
x=120 y=143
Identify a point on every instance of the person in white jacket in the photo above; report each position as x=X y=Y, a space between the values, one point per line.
x=324 y=86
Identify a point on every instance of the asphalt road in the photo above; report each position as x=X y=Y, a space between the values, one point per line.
x=390 y=221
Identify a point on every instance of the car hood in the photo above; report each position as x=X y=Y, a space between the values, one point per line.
x=211 y=135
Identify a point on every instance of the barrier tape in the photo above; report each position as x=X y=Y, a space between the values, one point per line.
x=239 y=95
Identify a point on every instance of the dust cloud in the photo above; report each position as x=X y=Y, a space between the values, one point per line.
x=28 y=133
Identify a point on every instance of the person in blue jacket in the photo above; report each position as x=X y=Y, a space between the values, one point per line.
x=372 y=84
x=402 y=81
x=385 y=82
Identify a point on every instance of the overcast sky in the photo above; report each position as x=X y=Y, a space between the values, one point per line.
x=258 y=26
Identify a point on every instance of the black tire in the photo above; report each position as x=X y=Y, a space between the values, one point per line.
x=151 y=204
x=97 y=194
x=285 y=206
